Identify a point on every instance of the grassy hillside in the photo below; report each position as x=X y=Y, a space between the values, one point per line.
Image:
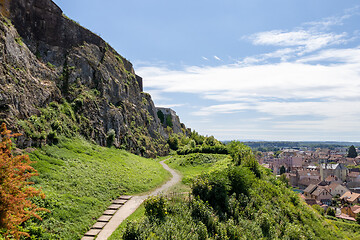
x=190 y=166
x=80 y=179
x=235 y=201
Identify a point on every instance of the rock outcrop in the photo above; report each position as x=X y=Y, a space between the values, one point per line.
x=168 y=118
x=59 y=78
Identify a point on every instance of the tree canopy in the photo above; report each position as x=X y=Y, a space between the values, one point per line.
x=352 y=152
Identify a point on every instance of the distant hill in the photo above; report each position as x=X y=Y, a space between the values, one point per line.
x=277 y=145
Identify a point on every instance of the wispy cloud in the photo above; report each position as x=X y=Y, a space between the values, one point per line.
x=347 y=55
x=170 y=105
x=328 y=22
x=307 y=41
x=310 y=82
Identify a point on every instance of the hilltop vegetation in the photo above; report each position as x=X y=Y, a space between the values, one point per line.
x=80 y=179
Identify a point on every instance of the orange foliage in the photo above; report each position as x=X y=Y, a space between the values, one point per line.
x=15 y=192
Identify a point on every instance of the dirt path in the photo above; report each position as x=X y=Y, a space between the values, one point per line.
x=131 y=205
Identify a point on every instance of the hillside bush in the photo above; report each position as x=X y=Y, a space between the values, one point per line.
x=155 y=208
x=16 y=206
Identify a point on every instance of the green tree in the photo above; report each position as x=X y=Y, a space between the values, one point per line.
x=173 y=142
x=210 y=141
x=282 y=170
x=352 y=152
x=331 y=212
x=239 y=152
x=161 y=116
x=192 y=143
x=169 y=121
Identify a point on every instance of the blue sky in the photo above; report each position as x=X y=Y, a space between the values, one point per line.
x=256 y=69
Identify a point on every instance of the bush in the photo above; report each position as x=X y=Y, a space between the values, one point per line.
x=169 y=121
x=161 y=116
x=241 y=179
x=110 y=137
x=173 y=142
x=15 y=193
x=156 y=208
x=331 y=212
x=213 y=188
x=319 y=209
x=131 y=232
x=239 y=152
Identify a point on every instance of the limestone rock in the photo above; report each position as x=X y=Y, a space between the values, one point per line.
x=59 y=78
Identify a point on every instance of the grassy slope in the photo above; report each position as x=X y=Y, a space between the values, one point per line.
x=193 y=165
x=189 y=166
x=80 y=179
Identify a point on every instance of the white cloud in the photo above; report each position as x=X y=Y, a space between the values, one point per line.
x=223 y=108
x=274 y=81
x=308 y=40
x=326 y=23
x=169 y=105
x=349 y=55
x=217 y=58
x=205 y=58
x=310 y=89
x=326 y=94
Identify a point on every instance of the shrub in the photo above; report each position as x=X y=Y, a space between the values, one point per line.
x=131 y=232
x=331 y=212
x=241 y=179
x=15 y=206
x=202 y=212
x=155 y=208
x=110 y=137
x=192 y=143
x=211 y=141
x=173 y=142
x=169 y=121
x=213 y=188
x=319 y=209
x=161 y=116
x=239 y=152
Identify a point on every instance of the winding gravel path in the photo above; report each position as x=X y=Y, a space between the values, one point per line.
x=130 y=206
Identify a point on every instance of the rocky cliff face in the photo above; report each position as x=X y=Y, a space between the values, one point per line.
x=59 y=78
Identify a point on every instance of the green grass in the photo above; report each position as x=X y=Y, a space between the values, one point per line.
x=80 y=179
x=189 y=166
x=195 y=164
x=138 y=214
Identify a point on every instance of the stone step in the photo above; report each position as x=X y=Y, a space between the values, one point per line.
x=99 y=225
x=125 y=197
x=92 y=233
x=87 y=238
x=114 y=206
x=109 y=212
x=104 y=218
x=119 y=201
